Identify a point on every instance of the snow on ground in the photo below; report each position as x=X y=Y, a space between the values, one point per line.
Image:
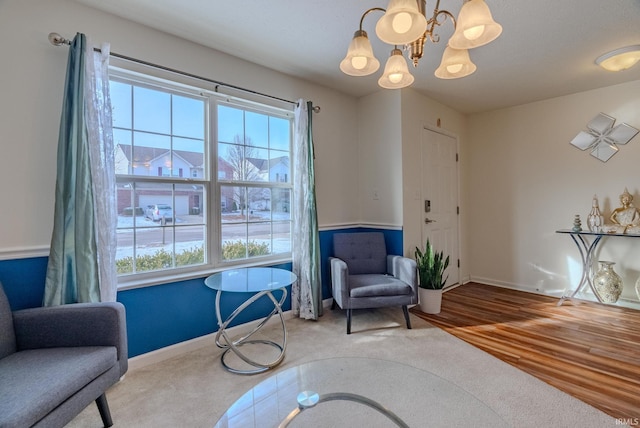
x=145 y=225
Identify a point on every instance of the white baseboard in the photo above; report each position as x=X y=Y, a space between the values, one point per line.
x=178 y=349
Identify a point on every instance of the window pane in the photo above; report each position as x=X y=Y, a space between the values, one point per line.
x=151 y=155
x=190 y=204
x=122 y=144
x=230 y=125
x=188 y=159
x=154 y=248
x=256 y=129
x=281 y=237
x=124 y=252
x=279 y=167
x=259 y=239
x=280 y=204
x=188 y=117
x=234 y=241
x=120 y=94
x=279 y=133
x=151 y=110
x=190 y=240
x=259 y=204
x=242 y=163
x=234 y=199
x=127 y=217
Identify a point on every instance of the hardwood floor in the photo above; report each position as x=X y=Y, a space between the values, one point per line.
x=588 y=350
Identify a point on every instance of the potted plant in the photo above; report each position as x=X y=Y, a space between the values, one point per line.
x=431 y=266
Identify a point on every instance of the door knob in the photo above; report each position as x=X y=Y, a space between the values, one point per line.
x=427 y=221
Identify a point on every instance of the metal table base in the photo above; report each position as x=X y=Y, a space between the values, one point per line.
x=235 y=345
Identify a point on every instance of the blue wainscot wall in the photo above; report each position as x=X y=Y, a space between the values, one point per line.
x=166 y=314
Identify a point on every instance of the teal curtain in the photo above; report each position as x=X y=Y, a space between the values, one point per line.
x=306 y=293
x=72 y=271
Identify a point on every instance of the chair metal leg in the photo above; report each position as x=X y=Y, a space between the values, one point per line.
x=103 y=408
x=406 y=316
x=349 y=321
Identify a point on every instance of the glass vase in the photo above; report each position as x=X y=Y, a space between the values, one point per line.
x=607 y=283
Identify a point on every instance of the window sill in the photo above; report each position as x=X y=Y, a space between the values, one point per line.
x=168 y=278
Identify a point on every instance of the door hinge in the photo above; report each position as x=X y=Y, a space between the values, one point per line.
x=458 y=210
x=456 y=157
x=458 y=263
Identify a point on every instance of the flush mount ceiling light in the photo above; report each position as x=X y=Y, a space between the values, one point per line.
x=620 y=59
x=405 y=23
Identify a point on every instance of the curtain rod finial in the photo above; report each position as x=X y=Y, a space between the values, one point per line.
x=57 y=40
x=316 y=109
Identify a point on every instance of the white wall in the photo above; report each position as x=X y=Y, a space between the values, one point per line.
x=379 y=159
x=31 y=85
x=526 y=181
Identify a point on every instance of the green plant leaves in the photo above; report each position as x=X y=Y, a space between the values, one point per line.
x=431 y=267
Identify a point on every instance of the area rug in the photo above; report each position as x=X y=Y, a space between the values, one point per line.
x=193 y=390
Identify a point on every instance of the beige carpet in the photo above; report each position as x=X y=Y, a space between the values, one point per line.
x=193 y=390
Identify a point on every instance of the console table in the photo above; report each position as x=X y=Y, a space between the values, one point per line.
x=261 y=281
x=587 y=243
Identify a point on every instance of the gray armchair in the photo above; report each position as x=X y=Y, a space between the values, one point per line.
x=55 y=361
x=364 y=276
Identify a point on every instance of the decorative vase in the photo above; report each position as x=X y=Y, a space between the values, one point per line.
x=595 y=219
x=607 y=283
x=430 y=300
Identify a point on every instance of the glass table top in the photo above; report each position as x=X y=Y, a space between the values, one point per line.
x=417 y=397
x=247 y=280
x=587 y=232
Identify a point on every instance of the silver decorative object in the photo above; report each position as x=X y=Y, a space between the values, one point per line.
x=595 y=220
x=602 y=138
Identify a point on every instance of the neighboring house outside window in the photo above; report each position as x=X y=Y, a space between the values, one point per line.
x=177 y=210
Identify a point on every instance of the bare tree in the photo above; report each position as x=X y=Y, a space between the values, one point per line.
x=246 y=166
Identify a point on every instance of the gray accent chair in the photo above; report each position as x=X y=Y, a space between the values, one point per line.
x=364 y=276
x=55 y=361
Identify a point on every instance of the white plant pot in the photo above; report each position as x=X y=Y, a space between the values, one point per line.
x=430 y=300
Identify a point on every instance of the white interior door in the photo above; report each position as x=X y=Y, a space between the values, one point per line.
x=440 y=198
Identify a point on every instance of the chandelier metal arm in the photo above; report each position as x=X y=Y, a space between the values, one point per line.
x=433 y=21
x=369 y=11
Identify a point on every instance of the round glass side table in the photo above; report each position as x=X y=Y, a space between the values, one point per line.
x=259 y=280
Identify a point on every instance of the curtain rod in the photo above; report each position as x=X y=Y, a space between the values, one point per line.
x=57 y=40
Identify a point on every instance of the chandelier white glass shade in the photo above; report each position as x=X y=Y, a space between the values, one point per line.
x=475 y=26
x=359 y=60
x=405 y=23
x=402 y=23
x=455 y=64
x=396 y=73
x=620 y=59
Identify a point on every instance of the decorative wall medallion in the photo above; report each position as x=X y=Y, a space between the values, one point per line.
x=602 y=138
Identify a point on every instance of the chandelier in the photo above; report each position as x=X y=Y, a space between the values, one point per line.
x=404 y=23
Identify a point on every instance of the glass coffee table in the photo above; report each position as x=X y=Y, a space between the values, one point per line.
x=363 y=392
x=262 y=281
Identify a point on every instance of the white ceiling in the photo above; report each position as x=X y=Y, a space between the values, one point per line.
x=547 y=47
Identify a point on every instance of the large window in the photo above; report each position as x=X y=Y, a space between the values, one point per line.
x=202 y=181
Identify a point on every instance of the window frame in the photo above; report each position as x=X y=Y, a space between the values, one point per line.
x=210 y=180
